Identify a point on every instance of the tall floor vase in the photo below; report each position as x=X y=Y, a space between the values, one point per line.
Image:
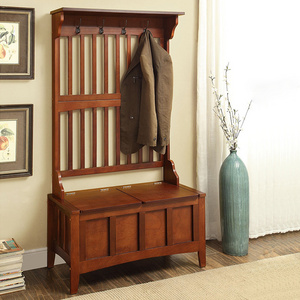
x=234 y=205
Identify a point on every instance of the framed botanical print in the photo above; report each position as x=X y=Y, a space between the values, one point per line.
x=16 y=140
x=16 y=43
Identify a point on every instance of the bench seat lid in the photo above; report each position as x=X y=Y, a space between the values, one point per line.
x=159 y=191
x=97 y=199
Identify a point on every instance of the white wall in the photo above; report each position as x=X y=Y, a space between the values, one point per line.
x=23 y=200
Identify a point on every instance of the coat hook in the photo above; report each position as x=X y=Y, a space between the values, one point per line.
x=124 y=28
x=146 y=26
x=101 y=30
x=77 y=30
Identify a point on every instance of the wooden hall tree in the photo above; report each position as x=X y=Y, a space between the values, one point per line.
x=97 y=228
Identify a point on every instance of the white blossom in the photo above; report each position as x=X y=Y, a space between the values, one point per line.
x=230 y=120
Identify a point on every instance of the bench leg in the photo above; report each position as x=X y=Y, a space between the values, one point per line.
x=50 y=235
x=74 y=254
x=202 y=258
x=202 y=240
x=74 y=280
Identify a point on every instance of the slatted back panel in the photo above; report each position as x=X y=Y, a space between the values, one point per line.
x=88 y=68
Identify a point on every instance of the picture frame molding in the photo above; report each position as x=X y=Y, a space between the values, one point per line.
x=22 y=166
x=25 y=68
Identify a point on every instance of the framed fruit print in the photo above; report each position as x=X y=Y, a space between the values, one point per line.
x=16 y=140
x=16 y=43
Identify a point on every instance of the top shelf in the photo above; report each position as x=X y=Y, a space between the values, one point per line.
x=74 y=17
x=115 y=12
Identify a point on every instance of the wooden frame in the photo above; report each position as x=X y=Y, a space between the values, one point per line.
x=16 y=43
x=102 y=227
x=16 y=140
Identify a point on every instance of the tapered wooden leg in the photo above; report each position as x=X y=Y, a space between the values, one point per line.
x=50 y=235
x=74 y=253
x=74 y=280
x=202 y=241
x=202 y=259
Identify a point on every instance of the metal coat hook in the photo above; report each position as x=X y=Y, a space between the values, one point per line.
x=146 y=26
x=124 y=28
x=101 y=30
x=77 y=30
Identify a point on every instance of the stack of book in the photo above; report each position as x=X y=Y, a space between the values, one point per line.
x=11 y=260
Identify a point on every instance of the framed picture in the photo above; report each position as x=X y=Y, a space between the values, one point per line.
x=16 y=43
x=16 y=140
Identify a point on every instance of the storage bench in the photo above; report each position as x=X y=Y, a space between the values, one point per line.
x=97 y=228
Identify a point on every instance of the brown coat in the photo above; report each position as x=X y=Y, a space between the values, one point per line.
x=146 y=101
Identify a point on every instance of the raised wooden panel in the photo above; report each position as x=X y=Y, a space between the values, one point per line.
x=182 y=224
x=97 y=238
x=127 y=233
x=155 y=229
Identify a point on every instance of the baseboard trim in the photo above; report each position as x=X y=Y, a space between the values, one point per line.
x=37 y=258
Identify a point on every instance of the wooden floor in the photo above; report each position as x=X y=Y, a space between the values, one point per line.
x=54 y=283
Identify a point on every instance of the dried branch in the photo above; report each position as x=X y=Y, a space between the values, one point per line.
x=230 y=123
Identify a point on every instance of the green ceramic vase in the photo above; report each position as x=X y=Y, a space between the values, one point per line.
x=234 y=205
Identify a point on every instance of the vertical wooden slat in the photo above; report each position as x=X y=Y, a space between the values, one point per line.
x=140 y=155
x=94 y=111
x=167 y=45
x=128 y=63
x=150 y=154
x=105 y=136
x=128 y=50
x=94 y=72
x=105 y=64
x=82 y=139
x=70 y=69
x=82 y=64
x=117 y=135
x=70 y=140
x=117 y=63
